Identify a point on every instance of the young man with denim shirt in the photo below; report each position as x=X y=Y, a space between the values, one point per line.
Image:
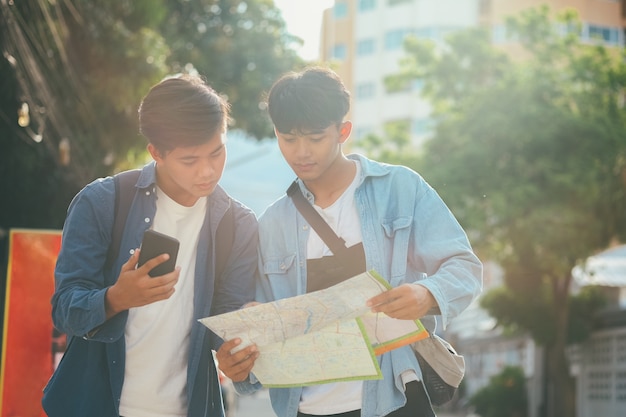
x=135 y=346
x=407 y=233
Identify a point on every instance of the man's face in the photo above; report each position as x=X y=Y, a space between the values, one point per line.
x=311 y=154
x=187 y=173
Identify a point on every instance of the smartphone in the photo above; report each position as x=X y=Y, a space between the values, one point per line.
x=155 y=244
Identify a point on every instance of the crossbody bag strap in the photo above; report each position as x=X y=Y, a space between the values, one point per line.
x=336 y=244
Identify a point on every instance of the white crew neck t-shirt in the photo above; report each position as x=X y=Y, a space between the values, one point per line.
x=343 y=218
x=157 y=334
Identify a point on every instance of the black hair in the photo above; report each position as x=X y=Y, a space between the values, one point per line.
x=309 y=100
x=182 y=111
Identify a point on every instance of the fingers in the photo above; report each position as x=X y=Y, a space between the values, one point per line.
x=236 y=365
x=131 y=263
x=381 y=302
x=163 y=287
x=251 y=304
x=135 y=288
x=152 y=263
x=406 y=302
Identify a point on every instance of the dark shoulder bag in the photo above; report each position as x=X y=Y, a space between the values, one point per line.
x=327 y=271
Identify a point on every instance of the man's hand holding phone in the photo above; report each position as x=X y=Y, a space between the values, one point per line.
x=148 y=276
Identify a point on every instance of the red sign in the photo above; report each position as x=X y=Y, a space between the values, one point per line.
x=30 y=345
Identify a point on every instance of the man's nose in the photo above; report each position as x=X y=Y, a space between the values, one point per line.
x=302 y=148
x=207 y=168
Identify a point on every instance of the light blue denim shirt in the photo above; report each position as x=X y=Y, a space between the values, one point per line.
x=89 y=380
x=409 y=236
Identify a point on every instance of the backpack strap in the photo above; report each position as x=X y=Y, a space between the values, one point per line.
x=124 y=194
x=224 y=237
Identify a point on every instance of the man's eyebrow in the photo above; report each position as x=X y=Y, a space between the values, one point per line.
x=219 y=148
x=188 y=157
x=304 y=132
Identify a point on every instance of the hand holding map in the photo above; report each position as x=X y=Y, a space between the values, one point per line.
x=323 y=336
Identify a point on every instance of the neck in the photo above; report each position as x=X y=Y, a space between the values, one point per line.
x=337 y=178
x=174 y=192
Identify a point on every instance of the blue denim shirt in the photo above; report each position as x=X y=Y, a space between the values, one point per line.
x=90 y=377
x=409 y=236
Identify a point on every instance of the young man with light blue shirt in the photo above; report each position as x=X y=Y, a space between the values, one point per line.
x=391 y=219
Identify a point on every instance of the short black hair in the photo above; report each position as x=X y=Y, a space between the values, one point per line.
x=182 y=111
x=309 y=100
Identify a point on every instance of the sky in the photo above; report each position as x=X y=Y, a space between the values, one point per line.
x=304 y=19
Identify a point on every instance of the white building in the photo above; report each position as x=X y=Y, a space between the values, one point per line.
x=365 y=38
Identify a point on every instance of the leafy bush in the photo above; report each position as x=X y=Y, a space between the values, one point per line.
x=505 y=396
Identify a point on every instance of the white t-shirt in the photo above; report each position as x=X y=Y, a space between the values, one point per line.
x=343 y=218
x=157 y=334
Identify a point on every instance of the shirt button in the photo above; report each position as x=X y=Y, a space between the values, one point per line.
x=305 y=227
x=148 y=192
x=282 y=266
x=147 y=220
x=132 y=251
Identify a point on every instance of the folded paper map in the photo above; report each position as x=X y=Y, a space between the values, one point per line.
x=324 y=336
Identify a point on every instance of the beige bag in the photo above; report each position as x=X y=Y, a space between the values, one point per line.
x=442 y=368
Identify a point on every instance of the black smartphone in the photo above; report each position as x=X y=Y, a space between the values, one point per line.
x=155 y=244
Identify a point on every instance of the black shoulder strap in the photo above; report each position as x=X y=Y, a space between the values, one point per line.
x=336 y=244
x=224 y=237
x=124 y=194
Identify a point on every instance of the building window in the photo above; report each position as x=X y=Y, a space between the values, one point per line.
x=394 y=39
x=340 y=10
x=365 y=91
x=340 y=51
x=365 y=5
x=607 y=35
x=365 y=47
x=417 y=85
x=499 y=34
x=427 y=33
x=421 y=127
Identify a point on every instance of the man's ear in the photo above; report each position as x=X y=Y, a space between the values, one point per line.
x=344 y=131
x=154 y=152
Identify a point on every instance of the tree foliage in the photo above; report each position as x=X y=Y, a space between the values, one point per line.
x=530 y=153
x=241 y=46
x=505 y=396
x=73 y=72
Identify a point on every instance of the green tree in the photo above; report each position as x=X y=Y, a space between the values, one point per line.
x=530 y=153
x=73 y=72
x=240 y=46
